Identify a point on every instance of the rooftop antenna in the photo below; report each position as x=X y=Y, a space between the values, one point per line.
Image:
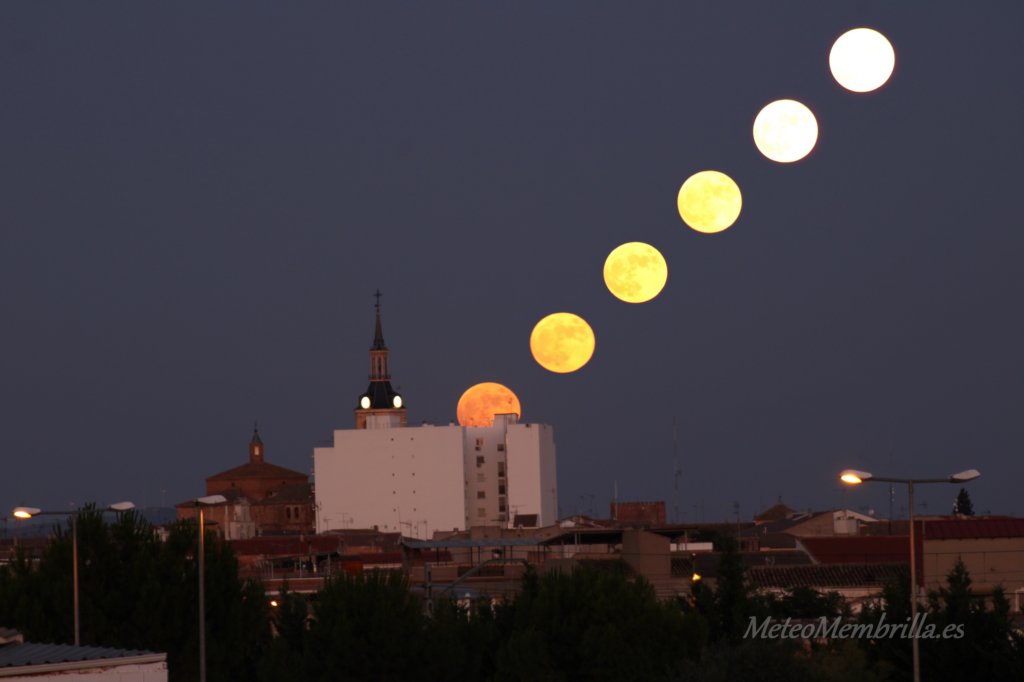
x=678 y=471
x=892 y=488
x=615 y=500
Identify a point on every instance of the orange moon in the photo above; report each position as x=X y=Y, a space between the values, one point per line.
x=562 y=342
x=481 y=402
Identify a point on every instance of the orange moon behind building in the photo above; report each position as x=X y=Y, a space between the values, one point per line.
x=481 y=402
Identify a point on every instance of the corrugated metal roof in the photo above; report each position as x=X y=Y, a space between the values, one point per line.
x=970 y=528
x=476 y=542
x=34 y=653
x=834 y=575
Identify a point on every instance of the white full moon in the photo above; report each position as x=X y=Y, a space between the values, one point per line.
x=862 y=59
x=785 y=131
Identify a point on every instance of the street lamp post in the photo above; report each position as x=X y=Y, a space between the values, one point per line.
x=29 y=512
x=855 y=477
x=201 y=502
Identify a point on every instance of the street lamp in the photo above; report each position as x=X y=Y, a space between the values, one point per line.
x=201 y=502
x=854 y=477
x=29 y=512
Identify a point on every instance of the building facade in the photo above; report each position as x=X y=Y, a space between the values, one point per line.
x=262 y=499
x=418 y=480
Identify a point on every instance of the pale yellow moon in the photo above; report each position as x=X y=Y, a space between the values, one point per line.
x=785 y=131
x=562 y=342
x=862 y=59
x=481 y=402
x=635 y=272
x=709 y=201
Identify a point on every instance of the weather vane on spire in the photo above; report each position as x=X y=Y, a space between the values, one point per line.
x=377 y=296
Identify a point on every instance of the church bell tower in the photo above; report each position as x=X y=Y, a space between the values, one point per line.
x=380 y=398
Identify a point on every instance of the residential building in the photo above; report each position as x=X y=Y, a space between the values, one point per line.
x=419 y=480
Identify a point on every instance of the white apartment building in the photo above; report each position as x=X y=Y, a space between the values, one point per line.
x=422 y=479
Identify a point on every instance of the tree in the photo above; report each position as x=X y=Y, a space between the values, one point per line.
x=137 y=592
x=365 y=626
x=593 y=623
x=987 y=647
x=963 y=505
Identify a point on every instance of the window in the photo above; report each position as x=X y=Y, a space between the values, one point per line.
x=479 y=461
x=501 y=447
x=288 y=512
x=479 y=443
x=501 y=468
x=502 y=508
x=481 y=494
x=501 y=488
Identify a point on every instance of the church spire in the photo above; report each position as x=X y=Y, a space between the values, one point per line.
x=380 y=397
x=255 y=446
x=378 y=335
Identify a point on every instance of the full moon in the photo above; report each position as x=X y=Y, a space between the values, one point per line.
x=481 y=402
x=635 y=272
x=785 y=131
x=562 y=342
x=709 y=201
x=862 y=60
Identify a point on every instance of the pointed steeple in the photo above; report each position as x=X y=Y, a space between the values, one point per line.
x=378 y=334
x=380 y=397
x=255 y=446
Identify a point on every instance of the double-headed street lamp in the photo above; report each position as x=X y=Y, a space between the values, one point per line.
x=201 y=502
x=29 y=512
x=854 y=477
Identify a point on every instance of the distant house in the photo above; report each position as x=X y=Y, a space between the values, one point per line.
x=638 y=513
x=992 y=549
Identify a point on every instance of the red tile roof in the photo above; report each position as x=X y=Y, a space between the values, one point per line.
x=257 y=470
x=287 y=545
x=858 y=549
x=977 y=527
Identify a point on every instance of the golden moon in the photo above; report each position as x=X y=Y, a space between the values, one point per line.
x=562 y=342
x=861 y=60
x=481 y=402
x=785 y=131
x=635 y=272
x=709 y=201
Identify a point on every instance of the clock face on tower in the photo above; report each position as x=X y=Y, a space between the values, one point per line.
x=364 y=402
x=397 y=401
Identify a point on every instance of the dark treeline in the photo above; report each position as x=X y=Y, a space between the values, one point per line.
x=595 y=623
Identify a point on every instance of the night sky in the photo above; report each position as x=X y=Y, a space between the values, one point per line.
x=199 y=200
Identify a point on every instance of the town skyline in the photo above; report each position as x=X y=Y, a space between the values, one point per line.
x=200 y=205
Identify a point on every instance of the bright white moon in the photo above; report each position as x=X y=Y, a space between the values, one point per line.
x=709 y=201
x=785 y=131
x=635 y=272
x=862 y=60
